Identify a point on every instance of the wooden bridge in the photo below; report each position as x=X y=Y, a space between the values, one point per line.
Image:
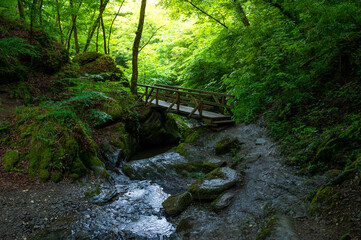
x=209 y=107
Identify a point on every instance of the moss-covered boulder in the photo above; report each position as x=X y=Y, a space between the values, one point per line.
x=324 y=200
x=176 y=204
x=213 y=184
x=56 y=148
x=226 y=145
x=86 y=57
x=157 y=128
x=41 y=53
x=97 y=63
x=10 y=159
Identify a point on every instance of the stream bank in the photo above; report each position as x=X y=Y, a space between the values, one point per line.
x=267 y=202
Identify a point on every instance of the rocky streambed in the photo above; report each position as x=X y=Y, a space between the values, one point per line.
x=229 y=184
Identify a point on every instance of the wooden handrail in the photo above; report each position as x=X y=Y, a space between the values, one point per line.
x=195 y=90
x=177 y=97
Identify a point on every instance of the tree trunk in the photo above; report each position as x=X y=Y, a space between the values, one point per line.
x=103 y=29
x=74 y=28
x=97 y=38
x=40 y=12
x=285 y=13
x=111 y=26
x=21 y=9
x=59 y=22
x=32 y=19
x=95 y=24
x=138 y=36
x=241 y=13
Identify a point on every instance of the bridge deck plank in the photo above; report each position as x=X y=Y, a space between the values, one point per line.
x=187 y=110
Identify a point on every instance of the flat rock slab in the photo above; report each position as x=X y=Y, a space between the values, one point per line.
x=213 y=184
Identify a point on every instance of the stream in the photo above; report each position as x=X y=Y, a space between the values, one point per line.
x=132 y=208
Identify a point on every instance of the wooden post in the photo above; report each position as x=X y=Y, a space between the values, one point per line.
x=156 y=96
x=146 y=94
x=178 y=101
x=200 y=106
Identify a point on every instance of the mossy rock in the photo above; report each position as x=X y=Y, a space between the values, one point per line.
x=77 y=169
x=93 y=63
x=44 y=175
x=214 y=183
x=10 y=159
x=324 y=200
x=176 y=204
x=93 y=192
x=226 y=145
x=56 y=176
x=193 y=134
x=100 y=196
x=157 y=129
x=86 y=57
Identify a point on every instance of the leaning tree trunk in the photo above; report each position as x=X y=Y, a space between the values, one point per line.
x=241 y=13
x=138 y=36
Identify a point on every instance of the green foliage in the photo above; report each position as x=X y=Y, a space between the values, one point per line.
x=10 y=66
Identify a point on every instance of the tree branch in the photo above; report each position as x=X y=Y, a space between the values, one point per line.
x=153 y=34
x=206 y=13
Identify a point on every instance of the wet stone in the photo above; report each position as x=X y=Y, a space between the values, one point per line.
x=213 y=184
x=223 y=201
x=176 y=204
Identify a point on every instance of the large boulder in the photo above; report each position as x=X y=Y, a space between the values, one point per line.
x=176 y=204
x=97 y=63
x=158 y=128
x=21 y=52
x=213 y=184
x=158 y=167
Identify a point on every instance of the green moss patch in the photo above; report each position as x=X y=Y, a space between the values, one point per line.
x=324 y=200
x=10 y=159
x=176 y=204
x=226 y=145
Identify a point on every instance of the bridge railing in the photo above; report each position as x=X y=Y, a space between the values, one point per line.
x=177 y=97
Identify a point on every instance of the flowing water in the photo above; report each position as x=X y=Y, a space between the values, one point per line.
x=135 y=211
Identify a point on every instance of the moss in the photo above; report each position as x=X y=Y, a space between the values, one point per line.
x=176 y=204
x=209 y=193
x=345 y=237
x=10 y=159
x=93 y=63
x=56 y=176
x=44 y=175
x=265 y=232
x=86 y=57
x=192 y=136
x=181 y=149
x=324 y=200
x=93 y=192
x=226 y=145
x=78 y=168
